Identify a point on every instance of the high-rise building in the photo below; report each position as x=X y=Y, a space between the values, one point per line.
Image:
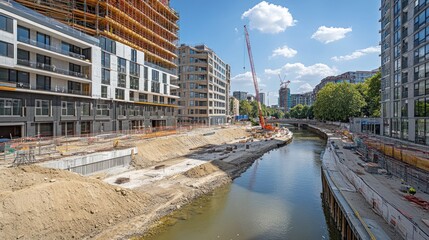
x=204 y=81
x=56 y=80
x=285 y=102
x=404 y=70
x=149 y=26
x=262 y=98
x=235 y=106
x=349 y=77
x=240 y=95
x=302 y=98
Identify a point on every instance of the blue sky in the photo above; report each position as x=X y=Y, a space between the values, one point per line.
x=303 y=40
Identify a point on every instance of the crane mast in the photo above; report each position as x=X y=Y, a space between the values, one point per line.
x=255 y=80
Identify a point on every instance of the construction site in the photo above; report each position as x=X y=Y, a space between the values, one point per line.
x=149 y=26
x=97 y=187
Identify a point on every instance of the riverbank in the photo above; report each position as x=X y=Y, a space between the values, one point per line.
x=55 y=204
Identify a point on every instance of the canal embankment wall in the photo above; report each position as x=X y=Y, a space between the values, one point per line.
x=397 y=219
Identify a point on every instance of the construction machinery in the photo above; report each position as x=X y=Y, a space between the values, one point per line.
x=255 y=82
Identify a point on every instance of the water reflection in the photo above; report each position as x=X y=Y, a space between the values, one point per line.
x=277 y=198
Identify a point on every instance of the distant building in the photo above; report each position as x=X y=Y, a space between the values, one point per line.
x=235 y=106
x=262 y=98
x=204 y=81
x=349 y=77
x=285 y=102
x=302 y=98
x=240 y=95
x=250 y=98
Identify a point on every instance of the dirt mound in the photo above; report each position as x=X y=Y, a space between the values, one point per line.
x=201 y=171
x=39 y=203
x=152 y=151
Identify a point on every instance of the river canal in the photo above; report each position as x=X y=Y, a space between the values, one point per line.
x=278 y=197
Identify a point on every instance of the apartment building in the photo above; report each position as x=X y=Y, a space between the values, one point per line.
x=149 y=26
x=302 y=98
x=285 y=102
x=349 y=77
x=405 y=70
x=240 y=95
x=56 y=81
x=204 y=81
x=262 y=98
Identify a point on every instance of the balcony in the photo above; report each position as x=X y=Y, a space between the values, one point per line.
x=52 y=48
x=51 y=68
x=56 y=89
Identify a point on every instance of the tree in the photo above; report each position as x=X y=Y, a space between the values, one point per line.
x=338 y=102
x=373 y=95
x=245 y=108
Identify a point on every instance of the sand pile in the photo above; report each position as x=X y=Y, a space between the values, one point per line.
x=39 y=203
x=201 y=171
x=160 y=149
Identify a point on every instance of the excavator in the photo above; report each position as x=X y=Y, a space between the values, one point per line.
x=264 y=126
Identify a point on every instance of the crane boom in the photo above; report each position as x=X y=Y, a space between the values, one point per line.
x=255 y=80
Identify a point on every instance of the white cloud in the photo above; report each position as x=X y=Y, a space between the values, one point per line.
x=236 y=30
x=299 y=70
x=330 y=34
x=269 y=18
x=246 y=79
x=306 y=87
x=357 y=54
x=284 y=51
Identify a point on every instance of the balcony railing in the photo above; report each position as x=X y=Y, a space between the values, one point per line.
x=51 y=68
x=56 y=89
x=51 y=48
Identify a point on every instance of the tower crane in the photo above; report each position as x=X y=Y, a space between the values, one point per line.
x=255 y=82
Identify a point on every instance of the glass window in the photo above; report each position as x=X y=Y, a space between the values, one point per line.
x=68 y=108
x=122 y=80
x=43 y=107
x=86 y=109
x=105 y=59
x=6 y=24
x=23 y=34
x=122 y=65
x=146 y=72
x=6 y=49
x=43 y=40
x=103 y=110
x=10 y=107
x=104 y=91
x=120 y=94
x=142 y=97
x=133 y=55
x=155 y=75
x=105 y=76
x=134 y=83
x=164 y=78
x=43 y=82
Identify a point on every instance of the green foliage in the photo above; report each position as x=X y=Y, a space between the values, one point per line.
x=245 y=108
x=338 y=102
x=302 y=111
x=372 y=95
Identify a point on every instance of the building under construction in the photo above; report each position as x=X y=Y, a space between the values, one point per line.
x=146 y=25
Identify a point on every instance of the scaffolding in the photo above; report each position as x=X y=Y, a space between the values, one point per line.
x=147 y=25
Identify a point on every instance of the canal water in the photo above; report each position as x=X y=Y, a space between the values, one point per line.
x=278 y=197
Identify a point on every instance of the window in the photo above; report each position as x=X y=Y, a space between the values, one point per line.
x=74 y=68
x=122 y=65
x=165 y=88
x=43 y=83
x=104 y=91
x=120 y=94
x=146 y=73
x=155 y=99
x=155 y=87
x=108 y=45
x=21 y=78
x=146 y=85
x=43 y=62
x=103 y=110
x=43 y=40
x=23 y=57
x=131 y=96
x=404 y=108
x=155 y=75
x=122 y=80
x=10 y=107
x=134 y=69
x=133 y=55
x=23 y=34
x=105 y=76
x=67 y=108
x=164 y=78
x=43 y=107
x=105 y=59
x=6 y=24
x=85 y=109
x=142 y=97
x=6 y=49
x=134 y=83
x=161 y=99
x=74 y=87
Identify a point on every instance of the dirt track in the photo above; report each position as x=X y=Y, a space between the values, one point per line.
x=41 y=203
